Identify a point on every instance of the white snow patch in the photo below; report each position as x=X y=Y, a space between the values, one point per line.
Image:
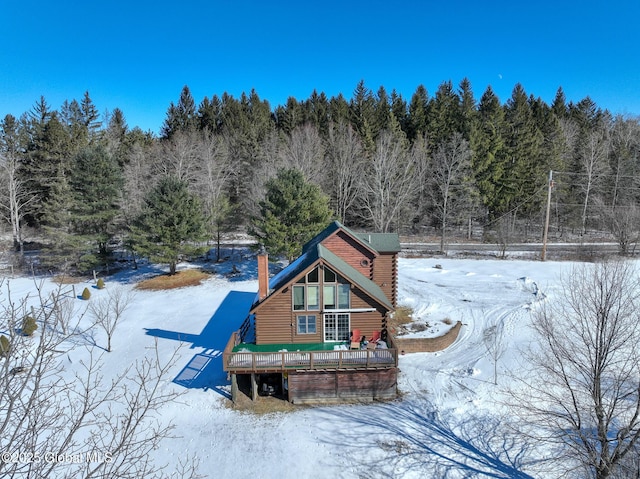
x=446 y=418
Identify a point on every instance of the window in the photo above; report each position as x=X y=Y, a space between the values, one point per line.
x=335 y=296
x=298 y=298
x=307 y=298
x=343 y=296
x=312 y=276
x=313 y=298
x=335 y=291
x=329 y=297
x=307 y=324
x=329 y=276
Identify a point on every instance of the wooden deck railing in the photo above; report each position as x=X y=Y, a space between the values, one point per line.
x=247 y=361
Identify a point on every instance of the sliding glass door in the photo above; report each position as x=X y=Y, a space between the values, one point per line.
x=336 y=326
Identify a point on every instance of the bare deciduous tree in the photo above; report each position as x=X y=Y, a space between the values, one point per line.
x=213 y=180
x=493 y=339
x=593 y=156
x=96 y=424
x=267 y=167
x=138 y=181
x=14 y=198
x=303 y=150
x=388 y=182
x=581 y=393
x=450 y=171
x=625 y=150
x=107 y=310
x=623 y=222
x=178 y=157
x=345 y=157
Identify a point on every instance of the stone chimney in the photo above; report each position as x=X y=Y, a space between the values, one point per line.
x=263 y=274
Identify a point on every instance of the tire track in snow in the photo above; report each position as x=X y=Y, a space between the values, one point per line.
x=447 y=373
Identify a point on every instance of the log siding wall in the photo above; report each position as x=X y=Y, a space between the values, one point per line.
x=335 y=386
x=276 y=322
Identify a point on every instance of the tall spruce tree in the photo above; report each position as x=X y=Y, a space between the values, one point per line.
x=400 y=111
x=489 y=161
x=46 y=164
x=418 y=107
x=444 y=118
x=292 y=213
x=90 y=115
x=209 y=114
x=180 y=117
x=170 y=225
x=363 y=116
x=96 y=187
x=526 y=172
x=317 y=112
x=468 y=109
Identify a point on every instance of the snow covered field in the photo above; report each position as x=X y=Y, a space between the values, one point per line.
x=447 y=422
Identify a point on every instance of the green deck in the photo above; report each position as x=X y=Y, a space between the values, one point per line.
x=274 y=348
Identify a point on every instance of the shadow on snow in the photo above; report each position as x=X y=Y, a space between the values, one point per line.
x=416 y=439
x=204 y=370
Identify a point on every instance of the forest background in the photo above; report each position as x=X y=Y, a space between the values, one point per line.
x=446 y=166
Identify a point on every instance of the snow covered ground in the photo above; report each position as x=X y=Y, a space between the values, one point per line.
x=447 y=422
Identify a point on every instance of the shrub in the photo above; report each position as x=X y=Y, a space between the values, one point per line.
x=29 y=325
x=5 y=346
x=100 y=283
x=86 y=294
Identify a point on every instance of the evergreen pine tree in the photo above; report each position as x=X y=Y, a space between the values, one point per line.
x=443 y=116
x=90 y=115
x=170 y=224
x=339 y=109
x=363 y=116
x=209 y=115
x=418 y=107
x=46 y=163
x=559 y=104
x=317 y=112
x=96 y=185
x=468 y=109
x=399 y=110
x=180 y=117
x=292 y=213
x=382 y=111
x=526 y=171
x=489 y=160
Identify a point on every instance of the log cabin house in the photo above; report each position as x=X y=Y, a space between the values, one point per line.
x=311 y=332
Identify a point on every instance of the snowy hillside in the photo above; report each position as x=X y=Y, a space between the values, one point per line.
x=446 y=422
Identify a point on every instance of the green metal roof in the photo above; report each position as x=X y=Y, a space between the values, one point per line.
x=381 y=242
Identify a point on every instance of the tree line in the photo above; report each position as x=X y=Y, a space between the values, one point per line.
x=439 y=164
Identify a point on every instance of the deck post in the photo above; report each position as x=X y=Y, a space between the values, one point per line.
x=234 y=388
x=254 y=387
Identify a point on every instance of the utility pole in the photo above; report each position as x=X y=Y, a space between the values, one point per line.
x=546 y=220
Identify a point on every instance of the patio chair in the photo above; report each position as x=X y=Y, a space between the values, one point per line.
x=355 y=339
x=375 y=337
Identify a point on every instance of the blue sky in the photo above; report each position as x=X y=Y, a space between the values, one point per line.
x=137 y=55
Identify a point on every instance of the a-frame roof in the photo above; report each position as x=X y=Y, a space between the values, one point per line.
x=316 y=254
